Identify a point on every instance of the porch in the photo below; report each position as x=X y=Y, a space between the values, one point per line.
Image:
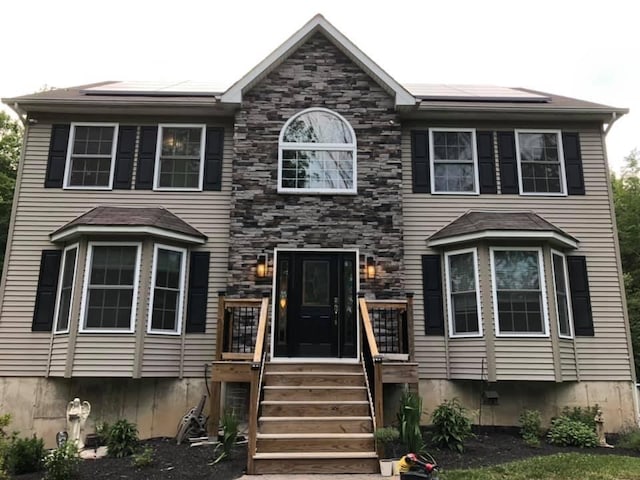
x=340 y=400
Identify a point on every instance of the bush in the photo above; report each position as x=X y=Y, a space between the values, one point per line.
x=229 y=435
x=102 y=431
x=24 y=455
x=5 y=420
x=144 y=458
x=451 y=427
x=122 y=439
x=387 y=437
x=409 y=416
x=567 y=431
x=630 y=438
x=586 y=415
x=531 y=427
x=62 y=463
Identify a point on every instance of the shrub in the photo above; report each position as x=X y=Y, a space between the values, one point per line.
x=62 y=463
x=5 y=420
x=530 y=427
x=451 y=426
x=144 y=458
x=102 y=431
x=387 y=437
x=24 y=455
x=566 y=431
x=122 y=439
x=584 y=415
x=409 y=422
x=229 y=435
x=630 y=438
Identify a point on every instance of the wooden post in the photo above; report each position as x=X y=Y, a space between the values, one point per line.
x=410 y=337
x=253 y=417
x=220 y=326
x=379 y=392
x=214 y=409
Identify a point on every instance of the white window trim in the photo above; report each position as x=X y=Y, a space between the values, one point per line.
x=474 y=150
x=85 y=286
x=59 y=290
x=563 y=175
x=67 y=165
x=543 y=289
x=567 y=293
x=341 y=147
x=178 y=329
x=479 y=333
x=156 y=166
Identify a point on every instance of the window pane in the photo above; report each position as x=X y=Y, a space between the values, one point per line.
x=180 y=157
x=454 y=178
x=465 y=313
x=315 y=283
x=517 y=270
x=318 y=169
x=454 y=166
x=462 y=285
x=167 y=290
x=562 y=301
x=93 y=140
x=317 y=127
x=540 y=162
x=66 y=289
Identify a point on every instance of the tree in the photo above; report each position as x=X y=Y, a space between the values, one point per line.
x=626 y=199
x=10 y=145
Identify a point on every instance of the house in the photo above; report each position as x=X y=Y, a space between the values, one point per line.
x=268 y=240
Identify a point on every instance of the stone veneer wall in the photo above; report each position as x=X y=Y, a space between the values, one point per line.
x=316 y=75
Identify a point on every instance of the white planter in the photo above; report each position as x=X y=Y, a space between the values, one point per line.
x=386 y=468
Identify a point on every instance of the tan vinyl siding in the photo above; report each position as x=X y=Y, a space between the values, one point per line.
x=40 y=211
x=588 y=218
x=467 y=358
x=58 y=360
x=568 y=360
x=161 y=356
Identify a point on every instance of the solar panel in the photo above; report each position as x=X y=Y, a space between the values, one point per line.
x=490 y=93
x=157 y=88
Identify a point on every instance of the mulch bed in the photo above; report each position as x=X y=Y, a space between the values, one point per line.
x=181 y=462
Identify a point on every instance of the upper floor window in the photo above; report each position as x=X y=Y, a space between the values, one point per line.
x=454 y=160
x=167 y=291
x=317 y=154
x=463 y=294
x=180 y=157
x=90 y=155
x=540 y=162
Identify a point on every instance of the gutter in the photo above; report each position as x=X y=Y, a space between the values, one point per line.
x=614 y=119
x=22 y=115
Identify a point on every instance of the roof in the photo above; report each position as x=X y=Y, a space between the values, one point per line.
x=154 y=221
x=477 y=225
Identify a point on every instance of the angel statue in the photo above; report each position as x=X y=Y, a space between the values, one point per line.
x=77 y=414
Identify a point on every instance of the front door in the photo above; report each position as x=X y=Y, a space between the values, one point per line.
x=315 y=304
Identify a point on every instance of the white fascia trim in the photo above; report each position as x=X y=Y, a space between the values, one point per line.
x=179 y=310
x=474 y=252
x=318 y=22
x=508 y=235
x=474 y=153
x=124 y=230
x=567 y=293
x=156 y=165
x=59 y=291
x=563 y=174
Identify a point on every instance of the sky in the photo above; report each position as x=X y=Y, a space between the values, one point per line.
x=583 y=49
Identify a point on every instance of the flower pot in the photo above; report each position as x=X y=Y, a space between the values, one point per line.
x=386 y=468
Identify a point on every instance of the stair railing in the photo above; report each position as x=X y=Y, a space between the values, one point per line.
x=372 y=361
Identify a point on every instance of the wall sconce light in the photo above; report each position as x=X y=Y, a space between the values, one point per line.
x=370 y=268
x=261 y=266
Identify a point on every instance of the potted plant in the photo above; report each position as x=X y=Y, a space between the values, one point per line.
x=386 y=441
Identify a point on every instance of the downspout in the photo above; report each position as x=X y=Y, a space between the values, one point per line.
x=614 y=119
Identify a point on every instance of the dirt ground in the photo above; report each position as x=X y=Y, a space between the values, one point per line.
x=181 y=462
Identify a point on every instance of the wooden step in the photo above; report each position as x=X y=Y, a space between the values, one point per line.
x=315 y=442
x=351 y=408
x=316 y=462
x=314 y=379
x=344 y=424
x=289 y=392
x=313 y=367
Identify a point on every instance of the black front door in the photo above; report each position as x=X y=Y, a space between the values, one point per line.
x=315 y=309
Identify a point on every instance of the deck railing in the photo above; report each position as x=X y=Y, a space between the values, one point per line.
x=238 y=321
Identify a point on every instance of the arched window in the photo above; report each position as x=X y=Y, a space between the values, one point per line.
x=317 y=154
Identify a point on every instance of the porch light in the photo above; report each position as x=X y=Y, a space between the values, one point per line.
x=261 y=267
x=370 y=268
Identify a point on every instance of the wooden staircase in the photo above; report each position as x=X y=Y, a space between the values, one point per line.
x=315 y=418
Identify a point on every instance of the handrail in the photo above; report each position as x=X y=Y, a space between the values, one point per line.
x=262 y=328
x=368 y=327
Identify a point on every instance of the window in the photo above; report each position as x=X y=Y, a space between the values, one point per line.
x=165 y=312
x=463 y=294
x=110 y=289
x=563 y=299
x=540 y=162
x=65 y=289
x=90 y=157
x=317 y=154
x=454 y=161
x=519 y=291
x=179 y=157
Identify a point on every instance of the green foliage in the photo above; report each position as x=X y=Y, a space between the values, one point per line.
x=229 y=435
x=531 y=427
x=122 y=439
x=586 y=415
x=62 y=463
x=409 y=414
x=24 y=455
x=388 y=437
x=143 y=459
x=566 y=431
x=5 y=442
x=10 y=145
x=451 y=426
x=102 y=431
x=630 y=438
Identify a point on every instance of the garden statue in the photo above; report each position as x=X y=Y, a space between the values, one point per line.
x=602 y=441
x=77 y=414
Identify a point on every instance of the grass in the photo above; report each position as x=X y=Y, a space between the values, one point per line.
x=563 y=466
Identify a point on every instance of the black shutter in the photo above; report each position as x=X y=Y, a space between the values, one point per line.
x=432 y=288
x=146 y=157
x=573 y=163
x=45 y=303
x=57 y=156
x=486 y=162
x=420 y=161
x=198 y=289
x=213 y=159
x=580 y=298
x=124 y=157
x=508 y=162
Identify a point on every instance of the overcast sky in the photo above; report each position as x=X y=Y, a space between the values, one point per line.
x=584 y=49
